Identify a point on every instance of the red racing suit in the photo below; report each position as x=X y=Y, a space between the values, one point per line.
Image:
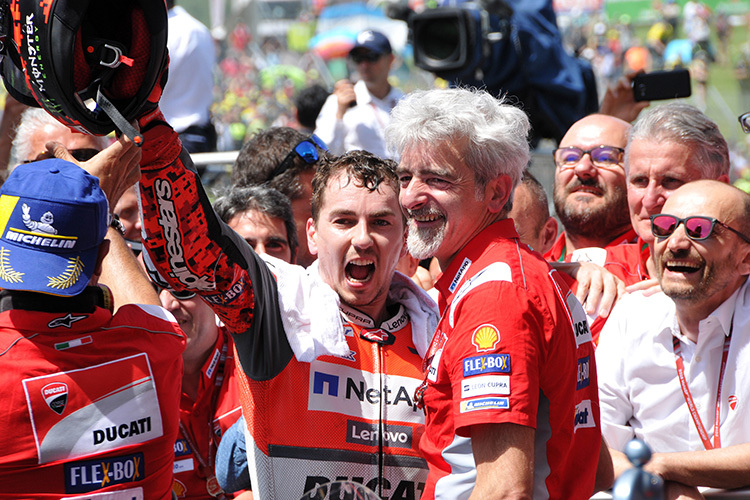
x=204 y=421
x=351 y=417
x=90 y=399
x=512 y=346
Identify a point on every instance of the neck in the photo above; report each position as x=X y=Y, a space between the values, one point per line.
x=574 y=242
x=191 y=379
x=690 y=313
x=380 y=89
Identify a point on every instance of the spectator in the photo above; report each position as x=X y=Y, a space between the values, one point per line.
x=502 y=383
x=590 y=193
x=530 y=214
x=37 y=128
x=307 y=106
x=263 y=217
x=672 y=144
x=355 y=115
x=293 y=334
x=12 y=111
x=661 y=355
x=189 y=92
x=271 y=157
x=86 y=390
x=210 y=401
x=128 y=213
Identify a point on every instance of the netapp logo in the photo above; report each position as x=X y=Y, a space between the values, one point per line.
x=393 y=436
x=90 y=475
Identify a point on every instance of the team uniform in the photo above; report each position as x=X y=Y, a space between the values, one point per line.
x=90 y=398
x=512 y=346
x=358 y=420
x=204 y=421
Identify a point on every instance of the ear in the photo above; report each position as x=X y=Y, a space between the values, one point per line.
x=743 y=268
x=312 y=234
x=498 y=191
x=548 y=235
x=103 y=251
x=404 y=250
x=724 y=178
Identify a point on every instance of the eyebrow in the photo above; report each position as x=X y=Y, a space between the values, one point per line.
x=425 y=171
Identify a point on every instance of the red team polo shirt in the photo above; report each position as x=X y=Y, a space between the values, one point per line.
x=512 y=346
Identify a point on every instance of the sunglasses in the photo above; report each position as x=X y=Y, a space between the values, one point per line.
x=697 y=227
x=83 y=154
x=744 y=120
x=179 y=295
x=360 y=57
x=306 y=149
x=601 y=156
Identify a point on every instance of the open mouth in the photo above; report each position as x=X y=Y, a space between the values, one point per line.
x=360 y=270
x=681 y=266
x=587 y=190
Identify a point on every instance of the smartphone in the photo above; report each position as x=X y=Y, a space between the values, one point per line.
x=659 y=85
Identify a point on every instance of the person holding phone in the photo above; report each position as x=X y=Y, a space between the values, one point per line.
x=355 y=115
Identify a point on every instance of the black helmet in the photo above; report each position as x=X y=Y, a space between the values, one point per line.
x=89 y=63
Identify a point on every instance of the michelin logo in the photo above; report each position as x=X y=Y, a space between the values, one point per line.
x=485 y=404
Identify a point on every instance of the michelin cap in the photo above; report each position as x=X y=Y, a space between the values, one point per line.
x=53 y=217
x=372 y=40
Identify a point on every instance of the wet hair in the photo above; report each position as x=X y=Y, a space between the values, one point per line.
x=364 y=169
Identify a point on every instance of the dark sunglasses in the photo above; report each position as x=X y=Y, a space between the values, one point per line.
x=697 y=227
x=307 y=150
x=84 y=154
x=601 y=156
x=179 y=295
x=744 y=119
x=366 y=56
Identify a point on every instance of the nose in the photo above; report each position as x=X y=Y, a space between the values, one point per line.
x=653 y=198
x=585 y=167
x=362 y=237
x=168 y=301
x=412 y=195
x=678 y=240
x=260 y=248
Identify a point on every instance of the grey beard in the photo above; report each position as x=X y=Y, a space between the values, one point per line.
x=424 y=243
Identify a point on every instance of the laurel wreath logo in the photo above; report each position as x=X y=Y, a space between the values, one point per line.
x=6 y=272
x=69 y=277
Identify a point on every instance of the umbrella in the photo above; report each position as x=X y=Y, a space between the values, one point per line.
x=334 y=43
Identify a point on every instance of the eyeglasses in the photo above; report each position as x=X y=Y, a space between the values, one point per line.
x=744 y=119
x=364 y=56
x=307 y=150
x=83 y=154
x=601 y=156
x=179 y=295
x=697 y=227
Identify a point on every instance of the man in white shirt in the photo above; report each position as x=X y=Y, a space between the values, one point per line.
x=355 y=115
x=662 y=355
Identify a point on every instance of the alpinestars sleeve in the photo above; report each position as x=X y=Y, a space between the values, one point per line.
x=189 y=248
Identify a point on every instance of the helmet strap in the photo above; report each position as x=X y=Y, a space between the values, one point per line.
x=120 y=122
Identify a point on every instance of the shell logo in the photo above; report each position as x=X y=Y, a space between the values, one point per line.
x=179 y=489
x=485 y=338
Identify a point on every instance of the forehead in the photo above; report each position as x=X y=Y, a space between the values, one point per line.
x=595 y=131
x=693 y=200
x=63 y=135
x=444 y=158
x=256 y=224
x=344 y=193
x=661 y=159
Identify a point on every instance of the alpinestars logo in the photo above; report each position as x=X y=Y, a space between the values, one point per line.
x=377 y=335
x=56 y=396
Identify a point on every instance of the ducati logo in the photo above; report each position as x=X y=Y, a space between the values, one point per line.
x=56 y=396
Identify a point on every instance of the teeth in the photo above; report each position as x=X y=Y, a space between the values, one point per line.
x=362 y=262
x=680 y=263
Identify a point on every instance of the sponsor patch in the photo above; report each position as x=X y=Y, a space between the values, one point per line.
x=107 y=407
x=356 y=393
x=485 y=385
x=182 y=448
x=348 y=331
x=485 y=404
x=394 y=436
x=733 y=402
x=184 y=465
x=377 y=335
x=459 y=274
x=56 y=396
x=485 y=338
x=489 y=363
x=228 y=296
x=584 y=372
x=90 y=475
x=67 y=321
x=580 y=322
x=214 y=363
x=584 y=416
x=129 y=494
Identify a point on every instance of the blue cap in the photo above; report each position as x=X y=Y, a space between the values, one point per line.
x=53 y=217
x=374 y=41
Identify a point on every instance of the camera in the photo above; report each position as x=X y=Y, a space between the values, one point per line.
x=507 y=47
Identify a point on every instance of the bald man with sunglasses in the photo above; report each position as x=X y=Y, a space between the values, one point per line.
x=672 y=365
